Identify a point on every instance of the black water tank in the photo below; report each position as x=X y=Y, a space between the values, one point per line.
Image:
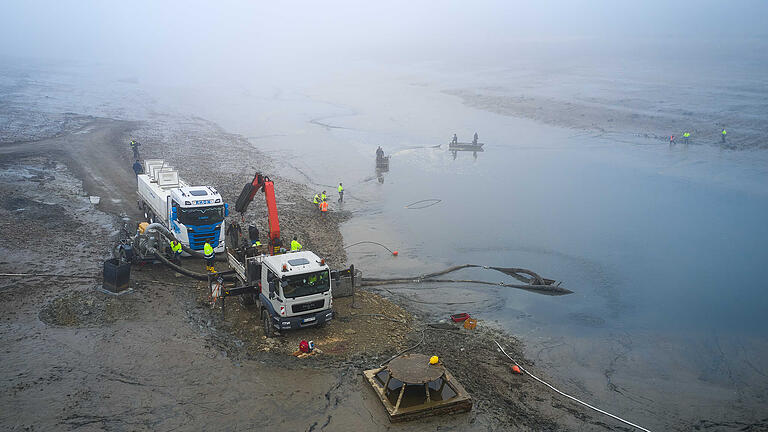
x=117 y=275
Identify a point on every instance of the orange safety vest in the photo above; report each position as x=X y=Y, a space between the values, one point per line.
x=324 y=206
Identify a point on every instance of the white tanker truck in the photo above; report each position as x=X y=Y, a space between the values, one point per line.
x=194 y=214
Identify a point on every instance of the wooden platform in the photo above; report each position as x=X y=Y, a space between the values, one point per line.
x=410 y=388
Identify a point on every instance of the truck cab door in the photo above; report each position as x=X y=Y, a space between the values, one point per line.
x=268 y=282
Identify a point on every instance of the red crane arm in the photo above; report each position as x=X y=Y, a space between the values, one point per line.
x=261 y=182
x=274 y=222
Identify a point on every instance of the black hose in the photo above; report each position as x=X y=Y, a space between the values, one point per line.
x=431 y=201
x=403 y=351
x=541 y=289
x=534 y=284
x=194 y=275
x=169 y=236
x=371 y=242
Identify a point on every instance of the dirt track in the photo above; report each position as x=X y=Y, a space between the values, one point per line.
x=161 y=358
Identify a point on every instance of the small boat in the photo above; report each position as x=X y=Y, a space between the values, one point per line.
x=382 y=163
x=465 y=146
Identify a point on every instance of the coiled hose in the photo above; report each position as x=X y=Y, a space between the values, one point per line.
x=533 y=282
x=169 y=235
x=228 y=275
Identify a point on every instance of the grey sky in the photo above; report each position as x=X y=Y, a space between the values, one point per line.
x=194 y=34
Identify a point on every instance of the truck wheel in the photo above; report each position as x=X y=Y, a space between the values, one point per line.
x=269 y=331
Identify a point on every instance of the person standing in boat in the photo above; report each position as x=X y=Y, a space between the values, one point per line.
x=474 y=140
x=454 y=140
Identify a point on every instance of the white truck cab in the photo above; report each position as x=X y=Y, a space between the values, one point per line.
x=294 y=290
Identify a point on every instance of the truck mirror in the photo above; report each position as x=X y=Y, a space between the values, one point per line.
x=226 y=210
x=173 y=213
x=283 y=283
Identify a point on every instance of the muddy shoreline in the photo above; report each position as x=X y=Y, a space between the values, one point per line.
x=616 y=119
x=162 y=358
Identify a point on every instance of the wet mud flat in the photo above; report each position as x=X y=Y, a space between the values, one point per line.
x=638 y=116
x=161 y=358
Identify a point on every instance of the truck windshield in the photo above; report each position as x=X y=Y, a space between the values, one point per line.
x=306 y=284
x=201 y=215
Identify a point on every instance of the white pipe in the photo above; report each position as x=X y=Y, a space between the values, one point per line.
x=571 y=397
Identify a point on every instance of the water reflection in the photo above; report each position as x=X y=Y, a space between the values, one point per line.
x=455 y=152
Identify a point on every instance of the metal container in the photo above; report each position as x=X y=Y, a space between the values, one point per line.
x=117 y=275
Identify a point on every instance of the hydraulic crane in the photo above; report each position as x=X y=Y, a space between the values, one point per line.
x=261 y=182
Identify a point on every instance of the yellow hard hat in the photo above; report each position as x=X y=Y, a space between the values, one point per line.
x=433 y=360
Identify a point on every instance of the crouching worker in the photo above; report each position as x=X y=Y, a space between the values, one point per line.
x=209 y=258
x=176 y=252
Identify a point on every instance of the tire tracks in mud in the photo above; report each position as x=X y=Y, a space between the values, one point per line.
x=625 y=347
x=332 y=401
x=724 y=362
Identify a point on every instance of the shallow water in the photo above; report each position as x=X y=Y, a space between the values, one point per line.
x=663 y=246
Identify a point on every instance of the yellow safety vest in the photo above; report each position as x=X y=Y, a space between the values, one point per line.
x=322 y=197
x=208 y=250
x=316 y=199
x=723 y=131
x=686 y=135
x=341 y=189
x=295 y=246
x=176 y=246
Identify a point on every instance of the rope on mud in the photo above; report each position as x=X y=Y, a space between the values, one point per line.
x=48 y=275
x=382 y=316
x=569 y=396
x=371 y=242
x=429 y=203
